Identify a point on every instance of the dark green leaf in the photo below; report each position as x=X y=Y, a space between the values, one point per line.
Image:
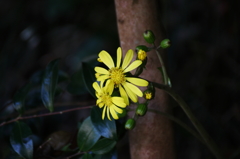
x=21 y=141
x=87 y=156
x=49 y=84
x=19 y=98
x=105 y=127
x=88 y=78
x=76 y=86
x=87 y=135
x=111 y=155
x=103 y=146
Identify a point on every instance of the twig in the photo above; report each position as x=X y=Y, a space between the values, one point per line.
x=207 y=139
x=76 y=154
x=42 y=115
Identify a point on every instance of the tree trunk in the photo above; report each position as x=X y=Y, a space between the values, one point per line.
x=152 y=138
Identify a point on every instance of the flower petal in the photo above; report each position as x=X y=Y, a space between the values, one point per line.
x=133 y=65
x=101 y=70
x=124 y=95
x=131 y=95
x=119 y=102
x=103 y=113
x=96 y=87
x=109 y=87
x=134 y=89
x=113 y=113
x=119 y=56
x=127 y=59
x=108 y=114
x=106 y=59
x=118 y=109
x=101 y=105
x=137 y=81
x=102 y=77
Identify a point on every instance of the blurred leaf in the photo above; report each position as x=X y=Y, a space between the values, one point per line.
x=88 y=78
x=58 y=139
x=19 y=98
x=21 y=141
x=87 y=156
x=103 y=146
x=105 y=127
x=76 y=85
x=111 y=155
x=49 y=84
x=87 y=135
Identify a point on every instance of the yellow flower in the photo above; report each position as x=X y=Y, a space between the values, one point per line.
x=141 y=55
x=111 y=104
x=116 y=75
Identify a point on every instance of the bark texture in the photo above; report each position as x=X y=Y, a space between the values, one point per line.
x=152 y=138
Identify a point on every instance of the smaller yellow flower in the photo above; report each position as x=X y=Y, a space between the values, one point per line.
x=109 y=104
x=141 y=55
x=148 y=95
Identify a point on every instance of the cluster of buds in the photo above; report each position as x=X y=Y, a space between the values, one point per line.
x=148 y=94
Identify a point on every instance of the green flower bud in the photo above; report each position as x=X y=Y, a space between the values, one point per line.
x=166 y=43
x=123 y=114
x=149 y=36
x=141 y=109
x=130 y=124
x=142 y=47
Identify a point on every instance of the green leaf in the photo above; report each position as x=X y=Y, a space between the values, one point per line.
x=20 y=140
x=77 y=86
x=87 y=156
x=49 y=84
x=111 y=155
x=105 y=127
x=88 y=78
x=87 y=135
x=19 y=98
x=103 y=146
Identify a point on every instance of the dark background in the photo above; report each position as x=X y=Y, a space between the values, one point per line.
x=203 y=63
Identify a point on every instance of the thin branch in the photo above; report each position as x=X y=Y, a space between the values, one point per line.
x=76 y=154
x=205 y=136
x=41 y=107
x=42 y=115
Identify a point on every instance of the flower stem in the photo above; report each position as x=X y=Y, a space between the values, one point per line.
x=164 y=72
x=203 y=133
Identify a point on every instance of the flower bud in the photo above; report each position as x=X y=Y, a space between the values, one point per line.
x=149 y=36
x=123 y=114
x=142 y=47
x=130 y=124
x=141 y=55
x=148 y=95
x=141 y=109
x=166 y=43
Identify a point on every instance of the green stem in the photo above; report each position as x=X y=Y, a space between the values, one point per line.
x=165 y=76
x=179 y=122
x=203 y=133
x=176 y=120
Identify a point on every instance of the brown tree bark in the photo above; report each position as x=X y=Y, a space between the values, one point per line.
x=152 y=138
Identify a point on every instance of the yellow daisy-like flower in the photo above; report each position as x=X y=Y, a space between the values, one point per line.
x=111 y=104
x=116 y=75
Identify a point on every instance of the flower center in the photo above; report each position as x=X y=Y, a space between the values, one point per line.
x=107 y=100
x=117 y=75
